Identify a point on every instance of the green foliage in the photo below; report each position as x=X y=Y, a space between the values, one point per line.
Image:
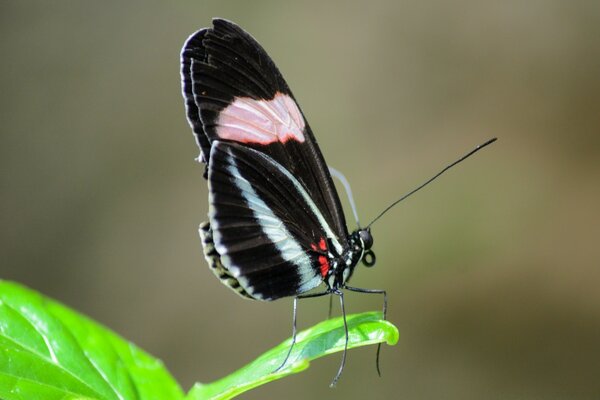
x=50 y=352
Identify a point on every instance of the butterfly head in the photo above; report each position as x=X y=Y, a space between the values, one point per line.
x=365 y=240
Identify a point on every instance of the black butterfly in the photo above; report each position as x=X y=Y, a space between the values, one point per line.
x=276 y=226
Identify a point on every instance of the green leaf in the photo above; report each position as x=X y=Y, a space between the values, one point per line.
x=324 y=338
x=49 y=352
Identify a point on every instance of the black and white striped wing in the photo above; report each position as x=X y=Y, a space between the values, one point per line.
x=269 y=235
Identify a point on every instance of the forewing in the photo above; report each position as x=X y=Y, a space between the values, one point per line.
x=269 y=234
x=234 y=92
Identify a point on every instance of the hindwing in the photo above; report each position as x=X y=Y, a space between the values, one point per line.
x=268 y=232
x=214 y=261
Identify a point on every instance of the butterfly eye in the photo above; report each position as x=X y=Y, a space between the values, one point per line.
x=366 y=237
x=369 y=258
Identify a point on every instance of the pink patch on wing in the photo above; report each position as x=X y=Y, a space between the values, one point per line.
x=261 y=121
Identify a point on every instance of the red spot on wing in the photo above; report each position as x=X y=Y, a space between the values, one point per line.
x=321 y=247
x=324 y=265
x=322 y=244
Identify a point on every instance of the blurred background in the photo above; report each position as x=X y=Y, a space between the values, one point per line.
x=492 y=272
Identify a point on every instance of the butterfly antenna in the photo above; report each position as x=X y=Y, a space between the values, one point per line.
x=475 y=150
x=334 y=172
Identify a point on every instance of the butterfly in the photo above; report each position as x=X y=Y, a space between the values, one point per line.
x=276 y=227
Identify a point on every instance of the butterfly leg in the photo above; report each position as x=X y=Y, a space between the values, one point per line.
x=293 y=335
x=294 y=331
x=343 y=363
x=330 y=305
x=373 y=291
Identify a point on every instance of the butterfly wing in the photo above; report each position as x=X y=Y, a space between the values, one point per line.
x=234 y=93
x=270 y=235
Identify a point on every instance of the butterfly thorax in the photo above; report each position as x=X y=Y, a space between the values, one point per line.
x=359 y=245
